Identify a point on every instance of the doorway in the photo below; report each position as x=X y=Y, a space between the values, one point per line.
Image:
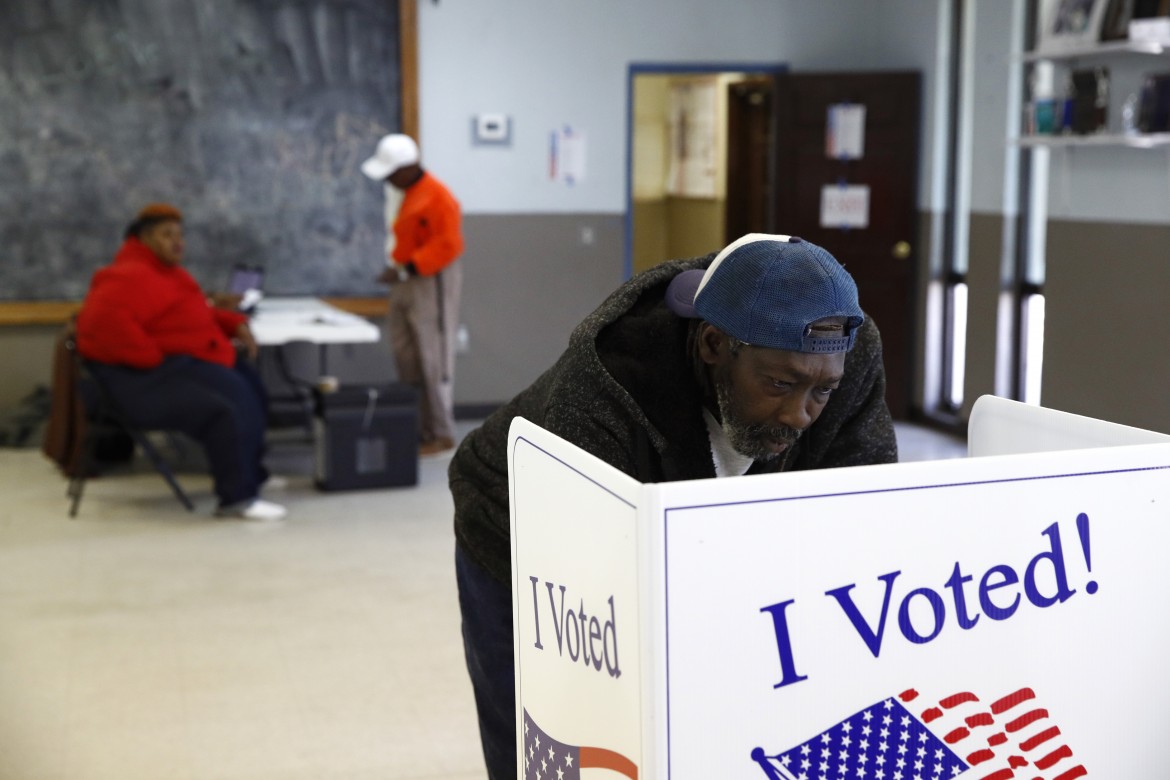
x=707 y=145
x=700 y=169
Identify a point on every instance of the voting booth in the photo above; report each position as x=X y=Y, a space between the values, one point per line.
x=998 y=616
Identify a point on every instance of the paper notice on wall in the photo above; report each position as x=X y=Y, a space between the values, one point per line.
x=845 y=131
x=845 y=206
x=694 y=139
x=567 y=156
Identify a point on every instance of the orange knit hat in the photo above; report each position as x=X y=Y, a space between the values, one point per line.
x=159 y=211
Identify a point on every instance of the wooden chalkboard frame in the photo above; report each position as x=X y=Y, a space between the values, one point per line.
x=18 y=313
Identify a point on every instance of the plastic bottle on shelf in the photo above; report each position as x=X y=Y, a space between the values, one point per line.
x=1068 y=107
x=1043 y=112
x=1129 y=115
x=1101 y=101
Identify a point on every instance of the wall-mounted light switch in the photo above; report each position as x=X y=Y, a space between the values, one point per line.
x=493 y=129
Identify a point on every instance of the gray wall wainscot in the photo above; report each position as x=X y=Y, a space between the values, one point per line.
x=1105 y=332
x=528 y=280
x=27 y=351
x=985 y=246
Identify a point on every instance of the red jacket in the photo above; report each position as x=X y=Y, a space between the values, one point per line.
x=426 y=231
x=140 y=310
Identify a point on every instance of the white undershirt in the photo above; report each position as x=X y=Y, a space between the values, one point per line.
x=394 y=197
x=728 y=462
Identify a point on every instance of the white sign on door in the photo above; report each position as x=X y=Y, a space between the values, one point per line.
x=845 y=206
x=845 y=131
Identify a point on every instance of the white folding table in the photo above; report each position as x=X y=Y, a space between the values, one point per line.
x=277 y=322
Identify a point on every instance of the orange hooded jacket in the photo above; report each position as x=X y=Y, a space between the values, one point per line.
x=426 y=231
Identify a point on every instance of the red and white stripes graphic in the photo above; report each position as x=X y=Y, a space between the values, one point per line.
x=1010 y=738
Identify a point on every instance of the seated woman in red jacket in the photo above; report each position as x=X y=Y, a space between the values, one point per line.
x=147 y=330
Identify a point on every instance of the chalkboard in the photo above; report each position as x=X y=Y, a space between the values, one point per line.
x=251 y=116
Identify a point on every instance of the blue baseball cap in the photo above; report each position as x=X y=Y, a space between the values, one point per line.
x=769 y=290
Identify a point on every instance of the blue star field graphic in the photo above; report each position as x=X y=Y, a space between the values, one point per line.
x=882 y=742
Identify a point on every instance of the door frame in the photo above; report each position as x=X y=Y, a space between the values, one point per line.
x=636 y=69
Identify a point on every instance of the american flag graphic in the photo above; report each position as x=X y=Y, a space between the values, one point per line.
x=547 y=759
x=907 y=738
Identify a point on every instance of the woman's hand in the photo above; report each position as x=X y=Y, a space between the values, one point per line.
x=245 y=337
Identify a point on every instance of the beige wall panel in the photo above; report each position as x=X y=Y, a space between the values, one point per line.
x=696 y=227
x=651 y=241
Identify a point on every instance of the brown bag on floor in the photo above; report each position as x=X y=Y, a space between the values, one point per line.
x=66 y=427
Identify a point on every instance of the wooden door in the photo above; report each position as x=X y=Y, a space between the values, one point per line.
x=750 y=206
x=881 y=255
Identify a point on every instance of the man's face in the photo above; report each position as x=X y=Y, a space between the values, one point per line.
x=165 y=239
x=403 y=177
x=768 y=397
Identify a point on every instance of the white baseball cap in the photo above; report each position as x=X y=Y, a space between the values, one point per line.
x=394 y=151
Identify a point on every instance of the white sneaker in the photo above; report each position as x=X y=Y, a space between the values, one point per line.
x=275 y=482
x=256 y=509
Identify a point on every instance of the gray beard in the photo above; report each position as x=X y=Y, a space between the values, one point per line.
x=750 y=439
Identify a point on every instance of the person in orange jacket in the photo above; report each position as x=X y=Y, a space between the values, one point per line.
x=424 y=242
x=148 y=332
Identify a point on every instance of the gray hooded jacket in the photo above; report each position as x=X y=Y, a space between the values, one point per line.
x=626 y=391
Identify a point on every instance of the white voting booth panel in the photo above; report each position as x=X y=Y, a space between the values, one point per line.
x=1002 y=427
x=985 y=618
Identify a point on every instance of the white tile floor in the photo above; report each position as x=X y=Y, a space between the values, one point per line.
x=142 y=642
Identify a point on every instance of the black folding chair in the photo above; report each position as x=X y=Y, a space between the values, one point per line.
x=105 y=416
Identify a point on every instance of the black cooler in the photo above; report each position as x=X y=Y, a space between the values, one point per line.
x=366 y=437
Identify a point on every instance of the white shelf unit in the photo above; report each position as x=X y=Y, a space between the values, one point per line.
x=1134 y=141
x=1108 y=50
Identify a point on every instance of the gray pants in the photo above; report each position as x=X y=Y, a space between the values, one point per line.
x=421 y=326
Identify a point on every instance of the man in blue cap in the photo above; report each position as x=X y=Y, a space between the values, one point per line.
x=755 y=360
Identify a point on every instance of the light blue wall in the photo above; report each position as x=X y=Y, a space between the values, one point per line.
x=550 y=62
x=995 y=88
x=1110 y=185
x=547 y=63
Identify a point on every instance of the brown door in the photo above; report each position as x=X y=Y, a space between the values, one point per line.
x=881 y=255
x=750 y=206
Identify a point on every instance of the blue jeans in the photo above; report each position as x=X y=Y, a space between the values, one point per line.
x=224 y=409
x=487 y=643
